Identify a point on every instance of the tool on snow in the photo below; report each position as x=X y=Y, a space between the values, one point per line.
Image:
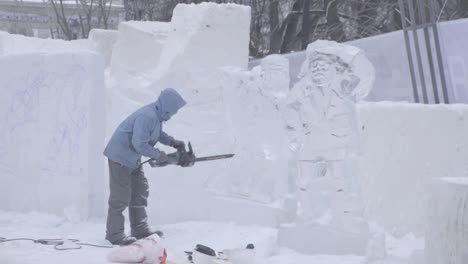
x=202 y=254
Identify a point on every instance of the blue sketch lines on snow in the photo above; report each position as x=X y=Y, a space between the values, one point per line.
x=70 y=120
x=46 y=118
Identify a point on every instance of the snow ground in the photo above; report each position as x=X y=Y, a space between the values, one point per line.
x=179 y=237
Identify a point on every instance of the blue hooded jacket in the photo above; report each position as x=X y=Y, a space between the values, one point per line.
x=138 y=133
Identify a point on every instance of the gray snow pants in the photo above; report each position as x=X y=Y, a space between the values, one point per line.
x=128 y=188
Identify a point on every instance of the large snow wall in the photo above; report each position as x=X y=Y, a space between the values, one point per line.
x=404 y=146
x=52 y=133
x=447 y=221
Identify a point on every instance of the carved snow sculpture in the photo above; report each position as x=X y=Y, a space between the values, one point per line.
x=322 y=124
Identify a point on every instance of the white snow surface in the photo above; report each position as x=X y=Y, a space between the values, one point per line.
x=180 y=237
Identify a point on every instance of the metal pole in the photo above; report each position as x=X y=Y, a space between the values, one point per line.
x=422 y=13
x=418 y=51
x=439 y=56
x=408 y=51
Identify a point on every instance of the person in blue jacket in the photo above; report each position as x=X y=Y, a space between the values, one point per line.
x=135 y=137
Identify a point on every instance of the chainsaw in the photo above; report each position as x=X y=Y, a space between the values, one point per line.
x=185 y=158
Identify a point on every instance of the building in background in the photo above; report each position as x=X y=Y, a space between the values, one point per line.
x=58 y=18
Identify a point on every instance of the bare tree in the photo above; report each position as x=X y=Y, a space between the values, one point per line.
x=85 y=15
x=306 y=24
x=274 y=29
x=62 y=21
x=290 y=26
x=276 y=33
x=104 y=11
x=257 y=38
x=76 y=20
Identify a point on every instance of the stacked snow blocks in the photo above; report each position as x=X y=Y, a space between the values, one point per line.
x=190 y=44
x=447 y=226
x=103 y=41
x=138 y=47
x=52 y=133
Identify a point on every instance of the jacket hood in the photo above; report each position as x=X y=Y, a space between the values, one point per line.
x=168 y=103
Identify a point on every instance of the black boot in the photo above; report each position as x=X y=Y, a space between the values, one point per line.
x=139 y=225
x=148 y=233
x=124 y=241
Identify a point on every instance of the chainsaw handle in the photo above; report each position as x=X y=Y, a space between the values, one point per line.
x=175 y=158
x=172 y=159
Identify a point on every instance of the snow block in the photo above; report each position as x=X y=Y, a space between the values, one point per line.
x=206 y=35
x=447 y=221
x=259 y=170
x=403 y=146
x=52 y=135
x=138 y=47
x=103 y=42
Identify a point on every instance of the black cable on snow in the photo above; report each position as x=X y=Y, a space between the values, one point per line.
x=57 y=242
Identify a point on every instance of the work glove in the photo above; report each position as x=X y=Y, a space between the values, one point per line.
x=161 y=161
x=178 y=144
x=186 y=160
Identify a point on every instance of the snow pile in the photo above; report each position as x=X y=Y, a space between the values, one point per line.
x=447 y=221
x=403 y=146
x=52 y=133
x=138 y=48
x=102 y=41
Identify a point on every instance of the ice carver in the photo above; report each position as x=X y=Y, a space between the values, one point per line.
x=135 y=137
